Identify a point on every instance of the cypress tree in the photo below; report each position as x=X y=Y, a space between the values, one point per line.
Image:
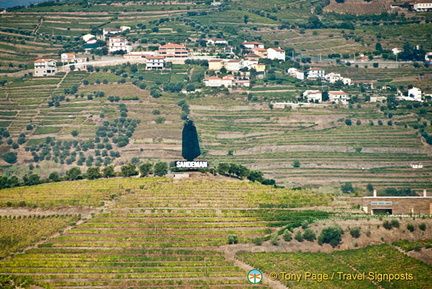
x=190 y=145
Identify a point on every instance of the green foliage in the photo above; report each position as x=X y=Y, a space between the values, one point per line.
x=331 y=235
x=287 y=235
x=296 y=164
x=410 y=227
x=145 y=169
x=347 y=188
x=190 y=143
x=54 y=177
x=108 y=172
x=93 y=173
x=128 y=170
x=73 y=174
x=232 y=239
x=355 y=232
x=74 y=133
x=160 y=168
x=274 y=239
x=422 y=226
x=10 y=157
x=309 y=235
x=299 y=236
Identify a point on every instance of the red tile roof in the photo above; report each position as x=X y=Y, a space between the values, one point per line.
x=172 y=45
x=44 y=60
x=278 y=49
x=253 y=42
x=155 y=57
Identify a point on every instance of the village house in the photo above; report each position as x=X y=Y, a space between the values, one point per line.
x=68 y=57
x=155 y=62
x=252 y=57
x=216 y=41
x=119 y=44
x=215 y=64
x=111 y=30
x=45 y=67
x=261 y=52
x=294 y=72
x=259 y=67
x=338 y=96
x=313 y=95
x=233 y=65
x=396 y=50
x=226 y=81
x=173 y=50
x=334 y=77
x=413 y=94
x=315 y=73
x=276 y=53
x=88 y=37
x=253 y=44
x=422 y=5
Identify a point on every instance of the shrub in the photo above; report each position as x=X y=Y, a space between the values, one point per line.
x=287 y=236
x=422 y=226
x=296 y=164
x=387 y=225
x=257 y=241
x=232 y=239
x=299 y=236
x=410 y=227
x=394 y=223
x=331 y=235
x=309 y=235
x=355 y=232
x=274 y=240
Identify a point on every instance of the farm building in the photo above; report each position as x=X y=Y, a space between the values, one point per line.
x=45 y=67
x=418 y=205
x=173 y=50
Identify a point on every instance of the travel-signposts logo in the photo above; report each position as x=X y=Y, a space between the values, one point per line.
x=255 y=276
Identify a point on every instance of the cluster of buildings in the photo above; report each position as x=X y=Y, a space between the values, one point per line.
x=227 y=81
x=257 y=50
x=413 y=94
x=316 y=96
x=316 y=73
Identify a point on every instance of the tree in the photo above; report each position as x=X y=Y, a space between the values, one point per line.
x=73 y=174
x=190 y=143
x=331 y=235
x=370 y=187
x=10 y=157
x=296 y=164
x=160 y=168
x=145 y=168
x=93 y=173
x=108 y=172
x=255 y=175
x=223 y=168
x=347 y=188
x=54 y=177
x=74 y=133
x=128 y=170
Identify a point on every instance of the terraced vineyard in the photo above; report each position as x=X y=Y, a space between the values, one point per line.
x=387 y=260
x=327 y=149
x=156 y=233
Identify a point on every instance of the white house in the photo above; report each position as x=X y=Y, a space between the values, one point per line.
x=334 y=77
x=119 y=44
x=68 y=57
x=313 y=95
x=315 y=73
x=110 y=30
x=397 y=50
x=428 y=56
x=88 y=37
x=415 y=93
x=227 y=81
x=276 y=53
x=253 y=44
x=233 y=65
x=45 y=67
x=216 y=41
x=155 y=62
x=294 y=72
x=422 y=5
x=214 y=81
x=338 y=96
